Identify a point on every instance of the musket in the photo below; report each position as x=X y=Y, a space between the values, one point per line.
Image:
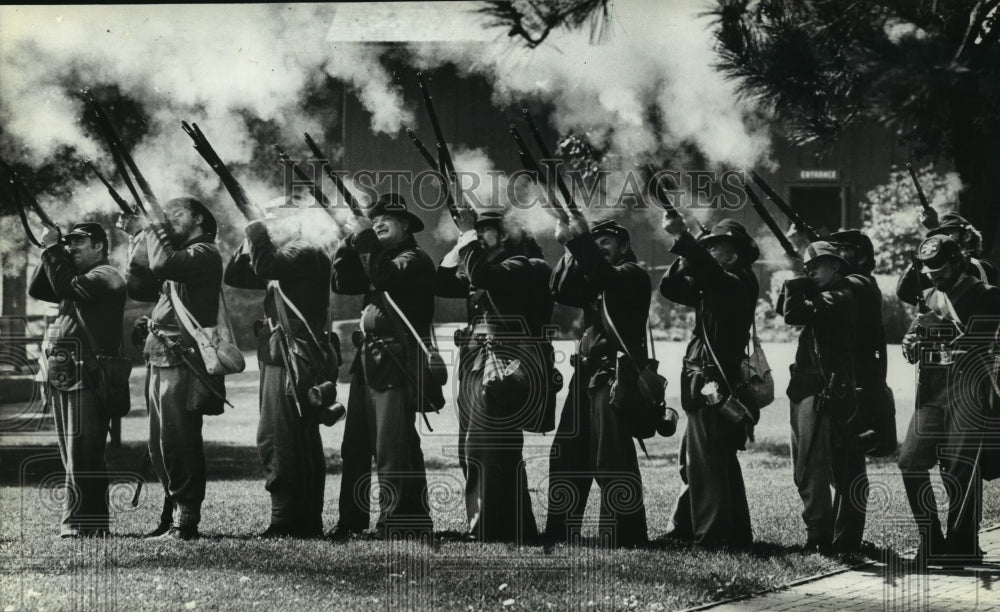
x=124 y=160
x=236 y=191
x=22 y=199
x=795 y=217
x=352 y=202
x=314 y=189
x=435 y=166
x=771 y=223
x=445 y=164
x=120 y=201
x=920 y=190
x=531 y=165
x=288 y=362
x=547 y=157
x=423 y=150
x=184 y=355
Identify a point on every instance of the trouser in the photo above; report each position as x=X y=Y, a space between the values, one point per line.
x=712 y=509
x=175 y=443
x=825 y=454
x=497 y=502
x=936 y=436
x=291 y=453
x=81 y=432
x=382 y=423
x=592 y=443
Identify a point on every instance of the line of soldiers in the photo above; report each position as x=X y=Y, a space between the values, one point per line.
x=837 y=389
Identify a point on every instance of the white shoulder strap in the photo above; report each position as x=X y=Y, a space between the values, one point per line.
x=420 y=341
x=611 y=323
x=295 y=311
x=183 y=315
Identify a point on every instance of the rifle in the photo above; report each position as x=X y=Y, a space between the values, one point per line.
x=125 y=163
x=434 y=165
x=314 y=189
x=547 y=156
x=793 y=216
x=771 y=223
x=920 y=190
x=185 y=355
x=445 y=164
x=24 y=199
x=120 y=201
x=236 y=191
x=352 y=202
x=529 y=163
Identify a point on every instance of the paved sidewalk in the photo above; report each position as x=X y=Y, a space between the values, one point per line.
x=889 y=587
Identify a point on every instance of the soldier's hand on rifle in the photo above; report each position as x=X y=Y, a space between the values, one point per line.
x=51 y=237
x=929 y=218
x=465 y=219
x=130 y=224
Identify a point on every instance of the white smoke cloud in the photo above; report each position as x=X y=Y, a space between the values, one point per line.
x=656 y=58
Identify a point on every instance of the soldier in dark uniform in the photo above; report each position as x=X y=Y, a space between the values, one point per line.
x=383 y=262
x=912 y=283
x=75 y=273
x=870 y=359
x=294 y=274
x=182 y=252
x=825 y=447
x=509 y=304
x=713 y=276
x=951 y=340
x=599 y=274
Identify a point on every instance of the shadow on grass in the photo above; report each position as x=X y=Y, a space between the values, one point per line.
x=31 y=465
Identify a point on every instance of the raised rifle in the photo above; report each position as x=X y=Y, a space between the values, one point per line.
x=435 y=166
x=445 y=165
x=529 y=164
x=547 y=159
x=23 y=199
x=314 y=189
x=119 y=200
x=920 y=190
x=125 y=163
x=769 y=221
x=661 y=195
x=352 y=202
x=204 y=148
x=793 y=216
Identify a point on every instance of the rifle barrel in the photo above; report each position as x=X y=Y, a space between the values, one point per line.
x=546 y=156
x=124 y=161
x=770 y=222
x=120 y=201
x=314 y=189
x=531 y=165
x=19 y=187
x=795 y=217
x=207 y=152
x=920 y=190
x=352 y=202
x=445 y=164
x=423 y=150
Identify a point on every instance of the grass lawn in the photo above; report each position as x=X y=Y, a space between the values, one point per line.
x=229 y=569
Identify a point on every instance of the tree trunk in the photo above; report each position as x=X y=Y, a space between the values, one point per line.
x=13 y=302
x=977 y=159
